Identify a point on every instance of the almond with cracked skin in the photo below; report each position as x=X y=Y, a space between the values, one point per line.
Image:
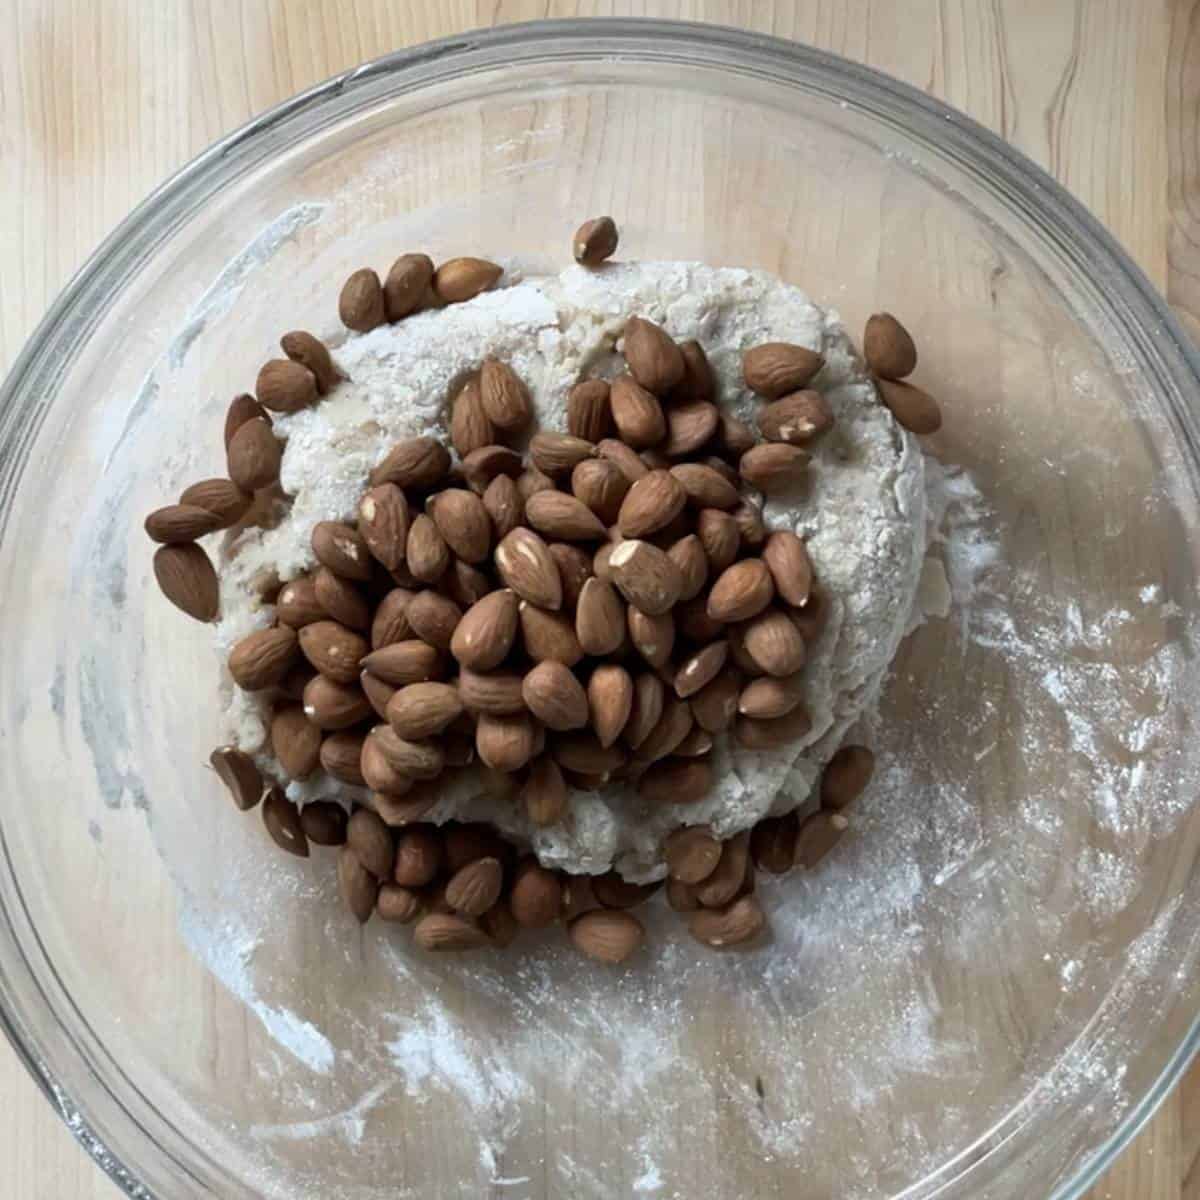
x=767 y=698
x=797 y=418
x=526 y=565
x=416 y=462
x=653 y=357
x=548 y=636
x=487 y=631
x=914 y=409
x=888 y=347
x=448 y=933
x=690 y=425
x=846 y=776
x=360 y=305
x=741 y=591
x=309 y=351
x=563 y=518
x=341 y=548
x=610 y=701
x=261 y=659
x=505 y=743
x=817 y=835
x=544 y=795
x=773 y=843
x=773 y=466
x=770 y=735
x=594 y=241
x=463 y=522
x=774 y=643
x=537 y=895
x=607 y=935
x=645 y=576
x=719 y=536
x=408 y=280
x=698 y=670
x=426 y=552
x=358 y=887
x=330 y=705
x=404 y=662
x=688 y=555
x=653 y=502
x=238 y=772
x=497 y=692
x=676 y=781
x=502 y=500
x=776 y=368
x=505 y=397
x=254 y=456
x=602 y=486
x=333 y=649
x=599 y=618
x=422 y=710
x=652 y=637
x=463 y=278
x=649 y=695
x=178 y=523
x=589 y=414
x=692 y=853
x=285 y=386
x=574 y=570
x=553 y=694
x=715 y=706
x=221 y=497
x=735 y=925
x=341 y=599
x=637 y=413
x=383 y=523
x=473 y=889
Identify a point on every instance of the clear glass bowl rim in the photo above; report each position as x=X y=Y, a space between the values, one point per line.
x=1119 y=290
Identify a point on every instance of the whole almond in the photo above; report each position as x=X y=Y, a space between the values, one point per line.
x=649 y=695
x=469 y=425
x=285 y=386
x=773 y=843
x=504 y=506
x=681 y=897
x=602 y=486
x=563 y=518
x=773 y=466
x=408 y=279
x=690 y=425
x=418 y=856
x=447 y=933
x=770 y=735
x=241 y=409
x=526 y=565
x=726 y=879
x=653 y=637
x=486 y=632
x=397 y=905
x=594 y=241
x=653 y=357
x=341 y=548
x=544 y=795
x=426 y=552
x=537 y=895
x=417 y=462
x=610 y=701
x=694 y=623
x=615 y=892
x=715 y=706
x=177 y=523
x=810 y=619
x=845 y=777
x=574 y=569
x=796 y=418
x=741 y=591
x=238 y=772
x=324 y=822
x=459 y=279
x=414 y=758
x=553 y=694
x=688 y=555
x=282 y=819
x=765 y=699
x=582 y=754
x=463 y=522
x=530 y=481
x=405 y=662
x=645 y=576
x=747 y=515
x=341 y=756
x=312 y=353
x=186 y=577
x=672 y=727
x=332 y=705
x=549 y=635
x=371 y=841
x=722 y=467
x=383 y=523
x=776 y=368
x=261 y=659
x=254 y=456
x=719 y=537
x=636 y=413
x=739 y=656
x=589 y=414
x=676 y=781
x=434 y=618
x=359 y=889
x=735 y=925
x=787 y=559
x=599 y=618
x=333 y=649
x=734 y=437
x=421 y=710
x=691 y=853
x=623 y=457
x=401 y=811
x=558 y=454
x=698 y=670
x=481 y=466
x=697 y=382
x=377 y=692
x=817 y=835
x=473 y=889
x=499 y=692
x=888 y=347
x=607 y=936
x=651 y=503
x=360 y=304
x=505 y=397
x=914 y=410
x=774 y=643
x=221 y=497
x=705 y=487
x=390 y=623
x=340 y=599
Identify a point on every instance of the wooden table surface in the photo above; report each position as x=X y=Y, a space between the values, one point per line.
x=101 y=101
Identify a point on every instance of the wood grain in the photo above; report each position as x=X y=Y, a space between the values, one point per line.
x=99 y=102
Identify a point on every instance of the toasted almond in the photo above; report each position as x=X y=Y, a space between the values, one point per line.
x=312 y=353
x=692 y=853
x=776 y=368
x=589 y=414
x=261 y=659
x=426 y=552
x=574 y=570
x=448 y=933
x=398 y=905
x=845 y=777
x=653 y=357
x=688 y=555
x=697 y=382
x=623 y=457
x=594 y=241
x=719 y=537
x=773 y=843
x=414 y=758
x=340 y=600
x=242 y=409
x=676 y=781
x=602 y=486
x=285 y=386
x=505 y=743
x=796 y=418
x=770 y=735
x=582 y=753
x=645 y=576
x=418 y=462
x=553 y=694
x=700 y=669
x=548 y=636
x=537 y=895
x=418 y=856
x=499 y=693
x=649 y=695
x=615 y=892
x=178 y=523
x=486 y=632
x=690 y=425
x=360 y=305
x=238 y=772
x=459 y=279
x=505 y=397
x=653 y=637
x=694 y=623
x=791 y=569
x=404 y=662
x=421 y=710
x=747 y=515
x=607 y=936
x=407 y=282
x=463 y=522
x=599 y=618
x=715 y=705
x=282 y=819
x=735 y=925
x=773 y=466
x=914 y=410
x=563 y=517
x=358 y=887
x=390 y=623
x=765 y=699
x=526 y=565
x=383 y=523
x=741 y=591
x=888 y=347
x=254 y=456
x=473 y=889
x=220 y=497
x=817 y=835
x=341 y=548
x=610 y=700
x=725 y=881
x=333 y=649
x=544 y=795
x=504 y=506
x=651 y=503
x=330 y=705
x=371 y=841
x=324 y=822
x=672 y=727
x=637 y=413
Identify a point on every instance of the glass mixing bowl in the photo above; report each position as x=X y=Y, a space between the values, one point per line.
x=983 y=993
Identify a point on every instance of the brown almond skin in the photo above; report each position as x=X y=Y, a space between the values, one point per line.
x=645 y=576
x=697 y=382
x=297 y=604
x=447 y=933
x=544 y=795
x=582 y=754
x=698 y=670
x=358 y=887
x=524 y=562
x=418 y=856
x=221 y=497
x=734 y=436
x=673 y=726
x=594 y=241
x=282 y=819
x=497 y=692
x=599 y=618
x=770 y=735
x=749 y=520
x=715 y=706
x=481 y=466
x=888 y=347
x=422 y=710
x=692 y=853
x=791 y=568
x=704 y=486
x=736 y=925
x=470 y=428
x=846 y=776
x=240 y=775
x=818 y=834
x=623 y=457
x=602 y=486
x=915 y=410
x=383 y=523
x=650 y=504
x=324 y=823
x=341 y=756
x=241 y=409
x=589 y=414
x=797 y=418
x=561 y=517
x=773 y=843
x=342 y=601
x=475 y=888
x=426 y=552
x=774 y=643
x=261 y=659
x=176 y=523
x=607 y=936
x=186 y=576
x=390 y=623
x=504 y=506
x=676 y=781
x=398 y=905
x=615 y=892
x=688 y=555
x=649 y=695
x=574 y=569
x=637 y=413
x=505 y=743
x=486 y=632
x=548 y=635
x=741 y=591
x=537 y=896
x=417 y=462
x=285 y=386
x=558 y=454
x=776 y=368
x=720 y=538
x=610 y=701
x=681 y=897
x=340 y=547
x=505 y=396
x=404 y=662
x=408 y=279
x=463 y=522
x=653 y=357
x=555 y=696
x=254 y=456
x=653 y=637
x=377 y=692
x=459 y=279
x=371 y=841
x=767 y=698
x=773 y=467
x=333 y=649
x=725 y=881
x=331 y=705
x=690 y=425
x=360 y=304
x=309 y=351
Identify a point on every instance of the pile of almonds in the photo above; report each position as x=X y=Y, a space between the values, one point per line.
x=566 y=608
